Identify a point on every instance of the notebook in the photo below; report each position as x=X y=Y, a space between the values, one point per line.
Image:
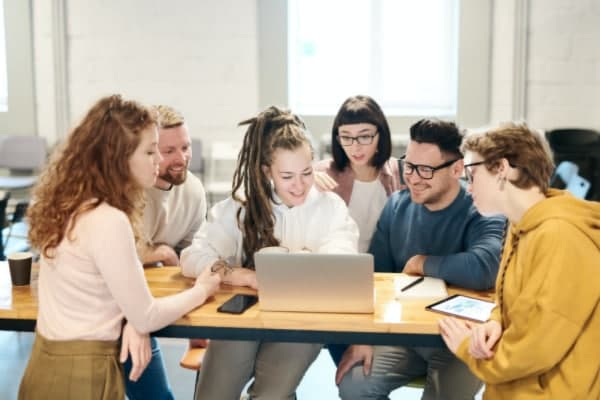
x=429 y=288
x=309 y=282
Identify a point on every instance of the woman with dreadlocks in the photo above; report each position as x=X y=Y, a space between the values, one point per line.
x=541 y=341
x=273 y=204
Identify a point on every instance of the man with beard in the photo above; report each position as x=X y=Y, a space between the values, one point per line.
x=176 y=205
x=431 y=229
x=175 y=209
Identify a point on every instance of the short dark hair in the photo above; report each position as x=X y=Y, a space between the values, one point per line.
x=444 y=134
x=359 y=110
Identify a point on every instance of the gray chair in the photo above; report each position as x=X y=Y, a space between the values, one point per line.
x=222 y=162
x=14 y=235
x=23 y=157
x=197 y=162
x=3 y=207
x=580 y=147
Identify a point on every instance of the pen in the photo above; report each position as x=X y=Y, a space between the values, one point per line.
x=413 y=283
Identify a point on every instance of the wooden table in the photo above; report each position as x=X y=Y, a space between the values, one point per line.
x=394 y=322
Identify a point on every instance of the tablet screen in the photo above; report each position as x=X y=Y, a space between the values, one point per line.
x=464 y=307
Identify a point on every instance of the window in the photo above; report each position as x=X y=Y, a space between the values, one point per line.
x=402 y=53
x=303 y=45
x=17 y=102
x=3 y=79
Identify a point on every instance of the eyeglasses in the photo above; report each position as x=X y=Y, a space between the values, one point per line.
x=424 y=171
x=469 y=172
x=361 y=139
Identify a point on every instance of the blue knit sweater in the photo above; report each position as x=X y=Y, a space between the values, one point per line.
x=462 y=247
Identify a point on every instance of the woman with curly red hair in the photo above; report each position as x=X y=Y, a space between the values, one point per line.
x=85 y=221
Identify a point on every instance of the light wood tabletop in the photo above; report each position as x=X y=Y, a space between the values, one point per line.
x=393 y=322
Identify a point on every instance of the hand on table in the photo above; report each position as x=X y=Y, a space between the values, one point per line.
x=167 y=255
x=414 y=265
x=209 y=280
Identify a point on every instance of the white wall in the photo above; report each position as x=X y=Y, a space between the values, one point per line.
x=201 y=56
x=197 y=56
x=564 y=63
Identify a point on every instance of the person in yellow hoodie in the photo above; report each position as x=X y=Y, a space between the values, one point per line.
x=542 y=340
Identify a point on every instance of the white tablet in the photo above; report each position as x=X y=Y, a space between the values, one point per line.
x=464 y=307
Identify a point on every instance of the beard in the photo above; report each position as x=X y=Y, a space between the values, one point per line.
x=174 y=178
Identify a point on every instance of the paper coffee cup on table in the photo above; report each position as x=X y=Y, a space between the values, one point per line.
x=20 y=268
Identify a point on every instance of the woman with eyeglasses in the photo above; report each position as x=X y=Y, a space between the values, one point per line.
x=362 y=171
x=541 y=341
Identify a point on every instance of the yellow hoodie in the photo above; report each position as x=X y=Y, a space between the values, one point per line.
x=550 y=311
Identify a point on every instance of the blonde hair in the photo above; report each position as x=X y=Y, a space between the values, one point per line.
x=91 y=168
x=524 y=149
x=168 y=117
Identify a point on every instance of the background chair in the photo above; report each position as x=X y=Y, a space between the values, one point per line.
x=193 y=356
x=23 y=157
x=197 y=162
x=3 y=206
x=222 y=162
x=14 y=236
x=582 y=148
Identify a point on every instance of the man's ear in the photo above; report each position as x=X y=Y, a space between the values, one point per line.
x=458 y=168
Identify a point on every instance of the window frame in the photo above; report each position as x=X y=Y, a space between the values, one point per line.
x=20 y=119
x=475 y=47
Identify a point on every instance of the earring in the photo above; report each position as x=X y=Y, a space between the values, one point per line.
x=502 y=181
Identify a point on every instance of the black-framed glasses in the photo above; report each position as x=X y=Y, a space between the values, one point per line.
x=424 y=171
x=360 y=139
x=469 y=173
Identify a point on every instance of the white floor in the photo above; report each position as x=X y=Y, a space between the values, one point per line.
x=318 y=384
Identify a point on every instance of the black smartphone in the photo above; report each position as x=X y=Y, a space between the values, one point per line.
x=238 y=303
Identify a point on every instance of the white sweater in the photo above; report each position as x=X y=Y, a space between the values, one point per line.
x=321 y=225
x=174 y=216
x=96 y=280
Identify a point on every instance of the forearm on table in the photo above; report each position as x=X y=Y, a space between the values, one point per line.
x=165 y=310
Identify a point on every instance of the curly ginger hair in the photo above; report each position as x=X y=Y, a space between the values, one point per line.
x=92 y=167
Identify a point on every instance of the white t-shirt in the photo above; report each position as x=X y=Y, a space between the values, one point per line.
x=366 y=202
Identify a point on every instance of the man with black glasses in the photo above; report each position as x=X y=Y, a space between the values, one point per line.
x=431 y=229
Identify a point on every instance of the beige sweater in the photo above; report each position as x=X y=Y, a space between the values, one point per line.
x=96 y=280
x=173 y=216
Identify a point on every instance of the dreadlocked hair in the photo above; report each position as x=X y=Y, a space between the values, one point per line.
x=272 y=129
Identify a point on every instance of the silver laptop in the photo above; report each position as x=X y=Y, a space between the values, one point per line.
x=309 y=282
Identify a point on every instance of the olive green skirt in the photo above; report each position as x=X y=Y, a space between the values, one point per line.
x=73 y=370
